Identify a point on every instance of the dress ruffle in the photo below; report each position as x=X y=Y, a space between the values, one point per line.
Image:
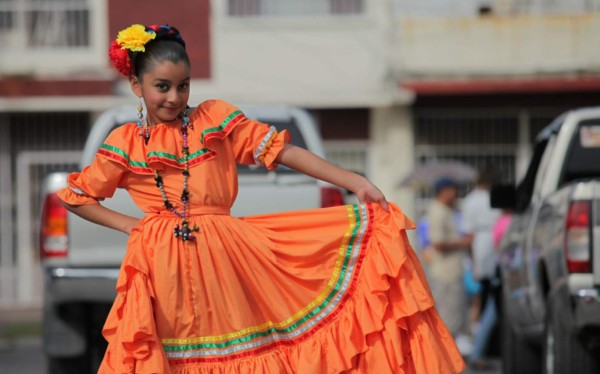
x=88 y=188
x=134 y=346
x=388 y=325
x=75 y=197
x=268 y=155
x=211 y=123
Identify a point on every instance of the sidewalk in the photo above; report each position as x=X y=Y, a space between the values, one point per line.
x=19 y=324
x=21 y=349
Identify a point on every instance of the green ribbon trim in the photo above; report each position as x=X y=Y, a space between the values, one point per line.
x=298 y=323
x=124 y=155
x=164 y=155
x=222 y=126
x=180 y=160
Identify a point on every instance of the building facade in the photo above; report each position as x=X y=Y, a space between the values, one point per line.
x=392 y=83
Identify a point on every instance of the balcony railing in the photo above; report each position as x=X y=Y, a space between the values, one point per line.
x=258 y=8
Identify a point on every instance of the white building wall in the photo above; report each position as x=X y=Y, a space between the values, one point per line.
x=392 y=153
x=51 y=53
x=497 y=45
x=313 y=61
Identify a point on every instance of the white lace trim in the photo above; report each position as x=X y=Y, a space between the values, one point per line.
x=262 y=145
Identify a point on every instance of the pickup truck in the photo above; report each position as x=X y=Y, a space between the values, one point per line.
x=81 y=260
x=549 y=258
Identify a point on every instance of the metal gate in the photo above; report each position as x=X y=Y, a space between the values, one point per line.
x=478 y=137
x=31 y=146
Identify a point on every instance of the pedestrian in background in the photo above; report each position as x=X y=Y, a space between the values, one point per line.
x=479 y=220
x=447 y=269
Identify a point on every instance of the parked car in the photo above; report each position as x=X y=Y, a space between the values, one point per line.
x=550 y=255
x=81 y=260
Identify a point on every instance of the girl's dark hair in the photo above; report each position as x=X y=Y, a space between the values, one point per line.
x=168 y=45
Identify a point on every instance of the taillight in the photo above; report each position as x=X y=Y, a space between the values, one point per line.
x=331 y=196
x=577 y=237
x=53 y=229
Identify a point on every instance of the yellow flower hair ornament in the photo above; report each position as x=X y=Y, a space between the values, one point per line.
x=134 y=39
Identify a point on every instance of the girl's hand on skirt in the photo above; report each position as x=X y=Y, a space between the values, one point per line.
x=367 y=192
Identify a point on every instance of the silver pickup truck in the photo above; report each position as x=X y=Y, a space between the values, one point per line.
x=81 y=260
x=550 y=255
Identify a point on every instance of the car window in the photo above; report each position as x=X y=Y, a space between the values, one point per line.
x=526 y=186
x=296 y=139
x=583 y=156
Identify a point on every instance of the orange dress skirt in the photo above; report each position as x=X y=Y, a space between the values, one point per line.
x=334 y=290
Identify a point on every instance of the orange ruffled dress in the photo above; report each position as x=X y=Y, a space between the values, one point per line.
x=318 y=291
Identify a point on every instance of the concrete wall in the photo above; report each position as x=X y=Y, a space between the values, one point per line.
x=392 y=153
x=497 y=45
x=17 y=58
x=313 y=61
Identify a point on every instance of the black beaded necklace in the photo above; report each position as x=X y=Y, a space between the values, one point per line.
x=183 y=231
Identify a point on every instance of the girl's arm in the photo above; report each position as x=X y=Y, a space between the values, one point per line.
x=310 y=164
x=103 y=216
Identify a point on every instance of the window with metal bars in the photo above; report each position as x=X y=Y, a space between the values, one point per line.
x=45 y=23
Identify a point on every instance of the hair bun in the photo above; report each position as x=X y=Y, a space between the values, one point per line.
x=166 y=32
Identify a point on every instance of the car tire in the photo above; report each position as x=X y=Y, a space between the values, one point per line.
x=68 y=365
x=564 y=352
x=87 y=320
x=518 y=355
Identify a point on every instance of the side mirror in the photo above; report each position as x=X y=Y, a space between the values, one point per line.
x=503 y=196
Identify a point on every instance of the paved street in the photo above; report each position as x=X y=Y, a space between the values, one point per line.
x=495 y=368
x=21 y=345
x=24 y=356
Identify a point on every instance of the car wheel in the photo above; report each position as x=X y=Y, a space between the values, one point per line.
x=518 y=355
x=564 y=352
x=68 y=365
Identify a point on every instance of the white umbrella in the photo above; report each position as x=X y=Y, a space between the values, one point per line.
x=425 y=175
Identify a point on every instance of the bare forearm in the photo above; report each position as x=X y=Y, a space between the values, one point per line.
x=96 y=213
x=310 y=164
x=458 y=245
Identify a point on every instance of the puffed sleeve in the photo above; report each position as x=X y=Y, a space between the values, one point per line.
x=253 y=142
x=94 y=183
x=258 y=143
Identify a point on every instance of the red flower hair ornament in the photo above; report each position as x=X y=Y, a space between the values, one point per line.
x=132 y=39
x=120 y=59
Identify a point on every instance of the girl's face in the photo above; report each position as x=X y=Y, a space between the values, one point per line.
x=165 y=89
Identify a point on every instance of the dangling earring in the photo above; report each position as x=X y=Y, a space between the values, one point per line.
x=142 y=123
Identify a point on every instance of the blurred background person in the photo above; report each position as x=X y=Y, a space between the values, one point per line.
x=479 y=219
x=447 y=269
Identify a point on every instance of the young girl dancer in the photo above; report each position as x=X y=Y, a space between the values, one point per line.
x=317 y=291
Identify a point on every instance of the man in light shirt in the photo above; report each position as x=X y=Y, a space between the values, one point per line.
x=450 y=248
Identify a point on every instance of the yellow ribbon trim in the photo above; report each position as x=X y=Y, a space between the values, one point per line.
x=298 y=315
